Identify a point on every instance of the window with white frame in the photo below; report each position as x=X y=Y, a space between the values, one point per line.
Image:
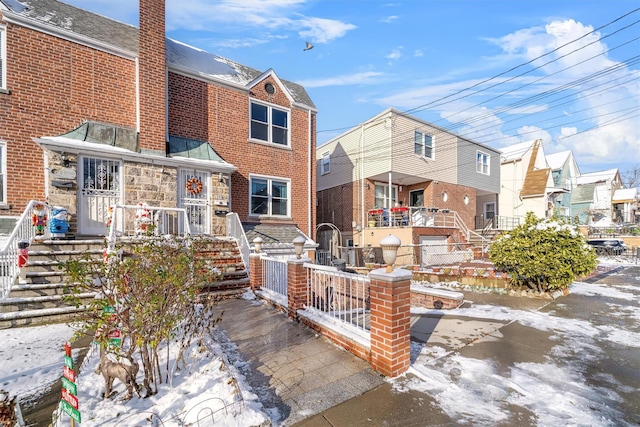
x=269 y=196
x=423 y=145
x=3 y=173
x=482 y=163
x=3 y=58
x=269 y=124
x=382 y=196
x=325 y=164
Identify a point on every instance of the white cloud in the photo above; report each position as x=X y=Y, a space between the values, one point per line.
x=389 y=19
x=232 y=16
x=418 y=53
x=368 y=77
x=395 y=54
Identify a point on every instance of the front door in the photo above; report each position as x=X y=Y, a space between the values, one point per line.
x=490 y=214
x=99 y=184
x=194 y=197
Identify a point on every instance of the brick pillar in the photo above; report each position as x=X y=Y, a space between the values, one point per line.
x=390 y=321
x=296 y=286
x=255 y=271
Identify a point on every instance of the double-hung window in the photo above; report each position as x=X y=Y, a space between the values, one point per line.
x=269 y=124
x=325 y=165
x=382 y=196
x=269 y=196
x=423 y=145
x=482 y=163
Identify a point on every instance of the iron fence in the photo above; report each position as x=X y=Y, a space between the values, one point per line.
x=275 y=278
x=339 y=296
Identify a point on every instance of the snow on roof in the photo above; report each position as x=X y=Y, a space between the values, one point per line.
x=557 y=160
x=515 y=152
x=625 y=195
x=592 y=177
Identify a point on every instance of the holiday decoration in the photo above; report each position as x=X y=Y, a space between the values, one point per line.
x=194 y=185
x=39 y=219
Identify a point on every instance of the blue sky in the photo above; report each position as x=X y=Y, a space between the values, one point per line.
x=496 y=71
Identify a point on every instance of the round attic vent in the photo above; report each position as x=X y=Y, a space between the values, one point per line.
x=271 y=89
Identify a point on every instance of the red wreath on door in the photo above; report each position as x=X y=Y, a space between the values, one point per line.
x=194 y=185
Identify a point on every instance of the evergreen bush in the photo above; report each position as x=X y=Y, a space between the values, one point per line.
x=543 y=254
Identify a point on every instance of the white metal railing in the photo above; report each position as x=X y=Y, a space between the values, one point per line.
x=235 y=230
x=23 y=230
x=275 y=277
x=339 y=296
x=142 y=220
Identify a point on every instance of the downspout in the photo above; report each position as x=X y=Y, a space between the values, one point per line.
x=309 y=213
x=138 y=95
x=390 y=199
x=362 y=221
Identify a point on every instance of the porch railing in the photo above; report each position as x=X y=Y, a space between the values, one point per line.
x=275 y=279
x=235 y=230
x=339 y=296
x=23 y=231
x=142 y=220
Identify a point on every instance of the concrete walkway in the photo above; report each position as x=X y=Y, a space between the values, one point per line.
x=290 y=367
x=312 y=382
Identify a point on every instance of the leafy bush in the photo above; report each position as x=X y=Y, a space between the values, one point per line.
x=150 y=292
x=543 y=254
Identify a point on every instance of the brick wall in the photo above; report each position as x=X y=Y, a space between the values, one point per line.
x=152 y=63
x=220 y=114
x=53 y=86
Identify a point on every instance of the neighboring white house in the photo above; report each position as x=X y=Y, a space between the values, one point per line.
x=526 y=181
x=565 y=173
x=625 y=205
x=601 y=186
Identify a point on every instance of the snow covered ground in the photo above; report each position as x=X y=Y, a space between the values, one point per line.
x=470 y=390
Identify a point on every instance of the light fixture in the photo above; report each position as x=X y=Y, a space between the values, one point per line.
x=220 y=177
x=257 y=244
x=390 y=245
x=298 y=244
x=65 y=160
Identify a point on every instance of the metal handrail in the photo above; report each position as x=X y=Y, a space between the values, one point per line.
x=23 y=230
x=120 y=224
x=236 y=231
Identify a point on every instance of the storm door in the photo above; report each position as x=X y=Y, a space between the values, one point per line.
x=194 y=197
x=99 y=185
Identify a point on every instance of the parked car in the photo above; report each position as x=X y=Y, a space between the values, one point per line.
x=608 y=246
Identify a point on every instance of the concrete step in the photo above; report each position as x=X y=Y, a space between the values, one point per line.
x=65 y=255
x=15 y=319
x=38 y=303
x=39 y=289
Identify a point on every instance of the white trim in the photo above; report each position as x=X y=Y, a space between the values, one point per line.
x=270 y=107
x=66 y=35
x=207 y=78
x=273 y=75
x=488 y=156
x=3 y=56
x=327 y=155
x=3 y=171
x=59 y=143
x=270 y=179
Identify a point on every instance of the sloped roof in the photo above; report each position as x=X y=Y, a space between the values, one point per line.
x=272 y=233
x=535 y=181
x=583 y=193
x=557 y=160
x=622 y=195
x=600 y=176
x=70 y=19
x=516 y=151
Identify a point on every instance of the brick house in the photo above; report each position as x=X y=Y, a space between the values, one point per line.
x=94 y=111
x=397 y=173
